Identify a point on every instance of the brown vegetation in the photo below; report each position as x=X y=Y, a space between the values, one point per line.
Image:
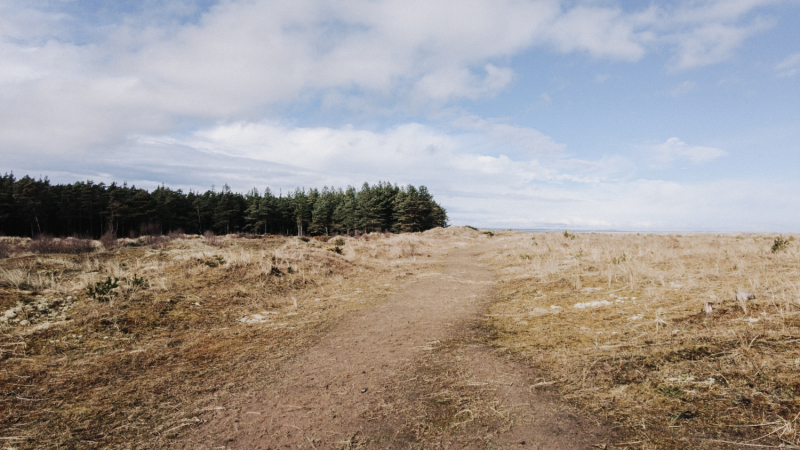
x=647 y=331
x=644 y=331
x=46 y=244
x=124 y=347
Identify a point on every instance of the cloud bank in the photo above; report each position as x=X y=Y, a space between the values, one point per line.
x=312 y=92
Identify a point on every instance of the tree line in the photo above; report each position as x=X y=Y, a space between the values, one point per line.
x=29 y=207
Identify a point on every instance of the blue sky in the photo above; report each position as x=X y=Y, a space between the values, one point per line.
x=595 y=114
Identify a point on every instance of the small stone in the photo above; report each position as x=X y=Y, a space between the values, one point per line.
x=24 y=323
x=743 y=296
x=364 y=390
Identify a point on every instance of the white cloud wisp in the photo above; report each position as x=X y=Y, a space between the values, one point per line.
x=675 y=149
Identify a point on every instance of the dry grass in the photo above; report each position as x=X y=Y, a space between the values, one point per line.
x=617 y=323
x=209 y=319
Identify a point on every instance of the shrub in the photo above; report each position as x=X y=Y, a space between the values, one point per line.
x=488 y=233
x=569 y=235
x=336 y=249
x=156 y=241
x=210 y=237
x=339 y=242
x=215 y=261
x=104 y=290
x=5 y=248
x=176 y=234
x=471 y=228
x=46 y=243
x=138 y=282
x=109 y=240
x=43 y=243
x=781 y=243
x=303 y=238
x=621 y=259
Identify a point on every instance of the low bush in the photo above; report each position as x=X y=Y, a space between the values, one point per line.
x=215 y=261
x=45 y=244
x=176 y=234
x=780 y=244
x=109 y=240
x=6 y=249
x=137 y=282
x=104 y=290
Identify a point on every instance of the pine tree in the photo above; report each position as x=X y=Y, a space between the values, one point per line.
x=29 y=207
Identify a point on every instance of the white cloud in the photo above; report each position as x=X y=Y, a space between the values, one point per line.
x=675 y=149
x=548 y=190
x=541 y=186
x=453 y=83
x=150 y=96
x=712 y=42
x=524 y=142
x=602 y=32
x=482 y=149
x=147 y=74
x=790 y=66
x=640 y=205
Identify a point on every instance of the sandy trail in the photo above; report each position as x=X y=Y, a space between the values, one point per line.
x=332 y=396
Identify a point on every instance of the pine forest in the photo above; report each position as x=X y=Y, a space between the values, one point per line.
x=31 y=207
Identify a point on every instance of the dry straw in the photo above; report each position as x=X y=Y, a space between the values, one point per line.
x=191 y=321
x=648 y=331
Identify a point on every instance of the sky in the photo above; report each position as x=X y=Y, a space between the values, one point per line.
x=532 y=114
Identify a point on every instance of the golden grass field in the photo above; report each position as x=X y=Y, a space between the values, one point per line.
x=212 y=318
x=613 y=323
x=617 y=323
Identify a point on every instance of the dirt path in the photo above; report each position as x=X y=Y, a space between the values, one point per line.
x=396 y=376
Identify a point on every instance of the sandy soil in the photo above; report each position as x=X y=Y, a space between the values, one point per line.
x=371 y=381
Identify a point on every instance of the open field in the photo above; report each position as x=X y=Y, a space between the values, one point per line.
x=616 y=324
x=211 y=318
